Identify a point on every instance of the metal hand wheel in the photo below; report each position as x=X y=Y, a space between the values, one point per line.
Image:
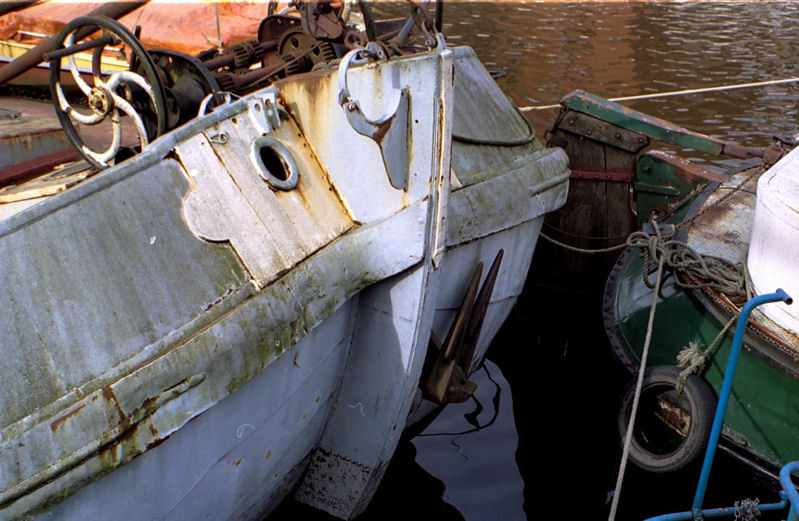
x=136 y=92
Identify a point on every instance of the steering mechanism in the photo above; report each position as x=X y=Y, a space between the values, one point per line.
x=160 y=89
x=136 y=92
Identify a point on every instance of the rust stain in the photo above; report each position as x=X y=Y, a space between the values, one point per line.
x=689 y=168
x=217 y=301
x=153 y=444
x=238 y=462
x=717 y=212
x=57 y=423
x=109 y=395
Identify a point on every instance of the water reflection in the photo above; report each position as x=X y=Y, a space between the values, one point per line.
x=471 y=448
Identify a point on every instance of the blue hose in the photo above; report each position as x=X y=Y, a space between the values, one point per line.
x=726 y=389
x=696 y=512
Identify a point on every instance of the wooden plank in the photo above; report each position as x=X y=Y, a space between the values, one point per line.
x=45 y=186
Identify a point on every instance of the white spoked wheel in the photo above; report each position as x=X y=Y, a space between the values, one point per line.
x=136 y=93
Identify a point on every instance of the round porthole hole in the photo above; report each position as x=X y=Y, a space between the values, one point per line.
x=275 y=163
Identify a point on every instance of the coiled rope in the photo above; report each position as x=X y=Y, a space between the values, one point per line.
x=708 y=272
x=713 y=272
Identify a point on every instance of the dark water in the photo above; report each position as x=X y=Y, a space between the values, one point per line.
x=551 y=449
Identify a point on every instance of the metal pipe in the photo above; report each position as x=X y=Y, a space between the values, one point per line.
x=91 y=44
x=226 y=60
x=11 y=6
x=726 y=390
x=368 y=20
x=34 y=57
x=789 y=488
x=719 y=512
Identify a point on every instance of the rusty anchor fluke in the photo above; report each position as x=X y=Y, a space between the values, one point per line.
x=447 y=380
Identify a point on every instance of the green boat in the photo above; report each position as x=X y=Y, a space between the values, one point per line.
x=737 y=238
x=704 y=217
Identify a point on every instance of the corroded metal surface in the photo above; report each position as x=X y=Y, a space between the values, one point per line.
x=723 y=224
x=688 y=168
x=271 y=230
x=722 y=228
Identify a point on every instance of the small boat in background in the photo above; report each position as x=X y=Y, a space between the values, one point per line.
x=725 y=235
x=625 y=166
x=242 y=300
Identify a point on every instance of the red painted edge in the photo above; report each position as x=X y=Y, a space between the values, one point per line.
x=35 y=166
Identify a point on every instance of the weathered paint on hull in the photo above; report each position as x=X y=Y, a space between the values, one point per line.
x=181 y=322
x=762 y=413
x=239 y=458
x=247 y=376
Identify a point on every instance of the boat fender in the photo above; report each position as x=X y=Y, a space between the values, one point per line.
x=653 y=448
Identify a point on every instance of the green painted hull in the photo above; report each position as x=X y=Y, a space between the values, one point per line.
x=762 y=419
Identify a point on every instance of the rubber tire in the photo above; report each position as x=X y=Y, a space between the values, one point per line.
x=702 y=402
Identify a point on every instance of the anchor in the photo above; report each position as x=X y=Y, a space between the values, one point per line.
x=447 y=380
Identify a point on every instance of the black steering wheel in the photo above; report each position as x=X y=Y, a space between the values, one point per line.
x=128 y=87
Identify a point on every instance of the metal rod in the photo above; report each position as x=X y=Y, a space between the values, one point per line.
x=33 y=57
x=91 y=44
x=218 y=28
x=679 y=92
x=225 y=60
x=10 y=6
x=726 y=390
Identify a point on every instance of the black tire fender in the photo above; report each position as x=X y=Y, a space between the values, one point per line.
x=698 y=401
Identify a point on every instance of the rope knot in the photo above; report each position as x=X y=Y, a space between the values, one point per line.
x=693 y=359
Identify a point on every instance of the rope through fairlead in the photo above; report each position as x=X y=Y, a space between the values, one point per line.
x=677 y=93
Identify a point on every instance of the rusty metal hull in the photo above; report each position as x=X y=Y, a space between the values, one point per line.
x=210 y=333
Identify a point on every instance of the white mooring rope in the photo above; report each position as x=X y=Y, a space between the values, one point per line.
x=676 y=93
x=639 y=384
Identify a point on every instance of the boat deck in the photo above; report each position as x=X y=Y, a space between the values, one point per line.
x=722 y=228
x=37 y=159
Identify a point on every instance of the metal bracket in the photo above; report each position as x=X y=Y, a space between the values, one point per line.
x=390 y=131
x=264 y=112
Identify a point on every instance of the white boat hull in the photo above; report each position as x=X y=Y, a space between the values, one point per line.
x=301 y=368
